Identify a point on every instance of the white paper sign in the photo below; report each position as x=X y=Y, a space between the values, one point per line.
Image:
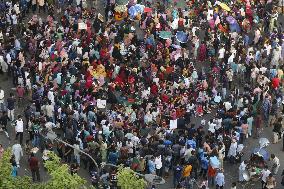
x=173 y=124
x=101 y=103
x=82 y=26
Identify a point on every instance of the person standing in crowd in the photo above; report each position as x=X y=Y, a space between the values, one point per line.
x=74 y=168
x=2 y=96
x=123 y=87
x=34 y=167
x=220 y=180
x=277 y=130
x=17 y=151
x=19 y=128
x=11 y=106
x=1 y=151
x=270 y=182
x=4 y=122
x=177 y=174
x=264 y=175
x=275 y=164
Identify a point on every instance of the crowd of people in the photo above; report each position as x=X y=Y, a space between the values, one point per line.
x=128 y=88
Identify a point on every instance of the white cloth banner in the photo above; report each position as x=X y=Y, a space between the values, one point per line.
x=101 y=103
x=82 y=26
x=173 y=124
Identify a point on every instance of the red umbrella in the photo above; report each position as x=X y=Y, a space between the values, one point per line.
x=147 y=9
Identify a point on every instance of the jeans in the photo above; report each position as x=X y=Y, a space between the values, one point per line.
x=211 y=181
x=2 y=106
x=77 y=158
x=36 y=141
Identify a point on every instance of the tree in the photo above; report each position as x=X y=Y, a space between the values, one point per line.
x=7 y=181
x=126 y=178
x=60 y=176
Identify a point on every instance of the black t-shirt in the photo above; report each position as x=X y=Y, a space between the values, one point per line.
x=113 y=178
x=11 y=103
x=74 y=168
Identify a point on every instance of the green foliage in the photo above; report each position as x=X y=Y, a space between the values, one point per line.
x=128 y=179
x=7 y=181
x=60 y=176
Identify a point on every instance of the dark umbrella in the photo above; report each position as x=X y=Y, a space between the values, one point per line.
x=181 y=37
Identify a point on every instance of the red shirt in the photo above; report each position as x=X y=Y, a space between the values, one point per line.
x=275 y=82
x=20 y=91
x=154 y=89
x=33 y=162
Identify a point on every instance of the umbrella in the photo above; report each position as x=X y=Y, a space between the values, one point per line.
x=235 y=28
x=139 y=8
x=263 y=142
x=147 y=9
x=214 y=162
x=231 y=20
x=261 y=152
x=165 y=34
x=132 y=12
x=121 y=2
x=180 y=4
x=120 y=8
x=225 y=7
x=191 y=143
x=181 y=37
x=222 y=29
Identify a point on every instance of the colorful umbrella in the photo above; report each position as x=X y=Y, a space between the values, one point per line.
x=139 y=8
x=225 y=7
x=231 y=20
x=165 y=34
x=132 y=12
x=214 y=162
x=181 y=4
x=147 y=9
x=121 y=2
x=120 y=8
x=222 y=29
x=181 y=37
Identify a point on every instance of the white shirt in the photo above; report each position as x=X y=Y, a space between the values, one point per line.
x=19 y=126
x=276 y=161
x=14 y=19
x=221 y=53
x=49 y=110
x=2 y=94
x=220 y=179
x=50 y=96
x=227 y=105
x=158 y=162
x=265 y=174
x=211 y=127
x=76 y=149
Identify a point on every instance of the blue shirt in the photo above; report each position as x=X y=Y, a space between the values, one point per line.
x=151 y=166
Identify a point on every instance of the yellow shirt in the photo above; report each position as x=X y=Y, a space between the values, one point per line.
x=280 y=73
x=186 y=171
